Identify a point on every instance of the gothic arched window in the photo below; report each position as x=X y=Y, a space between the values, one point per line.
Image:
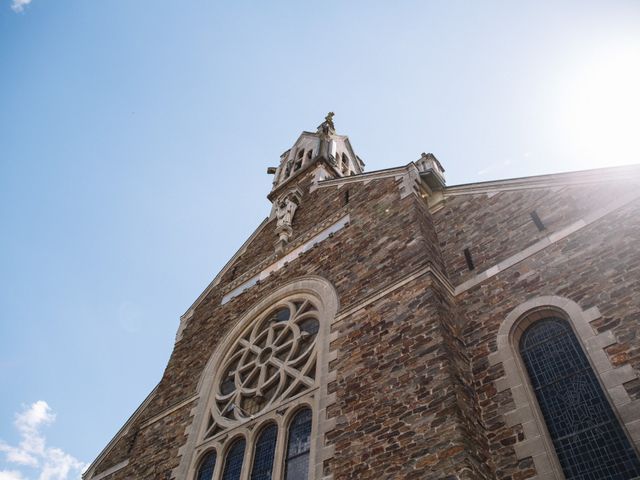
x=298 y=446
x=263 y=456
x=588 y=438
x=233 y=461
x=207 y=466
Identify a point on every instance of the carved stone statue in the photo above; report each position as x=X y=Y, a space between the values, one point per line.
x=285 y=211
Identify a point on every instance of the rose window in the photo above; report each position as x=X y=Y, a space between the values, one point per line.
x=273 y=360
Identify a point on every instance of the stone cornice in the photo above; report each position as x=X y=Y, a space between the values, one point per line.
x=581 y=177
x=296 y=177
x=364 y=177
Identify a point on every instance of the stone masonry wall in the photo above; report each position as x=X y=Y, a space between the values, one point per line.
x=496 y=226
x=596 y=266
x=385 y=242
x=399 y=412
x=415 y=394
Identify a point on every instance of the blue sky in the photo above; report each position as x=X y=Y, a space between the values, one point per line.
x=134 y=139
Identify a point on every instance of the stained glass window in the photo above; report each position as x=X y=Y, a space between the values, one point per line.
x=263 y=456
x=208 y=464
x=299 y=445
x=233 y=462
x=587 y=437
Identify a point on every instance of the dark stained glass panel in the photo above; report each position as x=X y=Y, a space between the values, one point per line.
x=264 y=452
x=587 y=437
x=208 y=464
x=233 y=462
x=298 y=447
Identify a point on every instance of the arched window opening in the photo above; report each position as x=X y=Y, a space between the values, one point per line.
x=264 y=453
x=233 y=462
x=299 y=446
x=309 y=154
x=299 y=161
x=586 y=435
x=207 y=466
x=345 y=164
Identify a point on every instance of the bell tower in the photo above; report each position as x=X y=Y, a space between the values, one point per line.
x=311 y=149
x=322 y=153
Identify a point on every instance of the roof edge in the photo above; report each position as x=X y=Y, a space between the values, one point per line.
x=89 y=472
x=595 y=175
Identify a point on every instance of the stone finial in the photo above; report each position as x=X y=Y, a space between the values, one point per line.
x=329 y=119
x=327 y=127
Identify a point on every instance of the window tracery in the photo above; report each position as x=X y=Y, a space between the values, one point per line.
x=273 y=360
x=261 y=406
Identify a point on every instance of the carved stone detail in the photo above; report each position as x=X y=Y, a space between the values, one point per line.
x=273 y=361
x=286 y=207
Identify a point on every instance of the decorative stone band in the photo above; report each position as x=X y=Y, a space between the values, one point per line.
x=168 y=411
x=397 y=283
x=537 y=443
x=111 y=470
x=288 y=258
x=303 y=238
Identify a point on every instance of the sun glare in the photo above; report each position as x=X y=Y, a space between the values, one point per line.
x=600 y=111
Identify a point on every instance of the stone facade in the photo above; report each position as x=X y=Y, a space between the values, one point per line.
x=416 y=383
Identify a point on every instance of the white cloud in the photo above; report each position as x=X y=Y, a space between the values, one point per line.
x=11 y=475
x=18 y=6
x=50 y=463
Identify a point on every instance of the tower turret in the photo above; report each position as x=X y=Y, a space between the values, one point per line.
x=325 y=147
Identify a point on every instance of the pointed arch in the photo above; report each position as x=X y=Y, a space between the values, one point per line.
x=264 y=452
x=537 y=442
x=207 y=465
x=310 y=391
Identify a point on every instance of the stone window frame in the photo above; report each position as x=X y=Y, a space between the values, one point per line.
x=317 y=399
x=537 y=441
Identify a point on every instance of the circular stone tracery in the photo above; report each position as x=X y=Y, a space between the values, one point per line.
x=273 y=360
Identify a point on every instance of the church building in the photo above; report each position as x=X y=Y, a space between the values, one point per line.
x=386 y=325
